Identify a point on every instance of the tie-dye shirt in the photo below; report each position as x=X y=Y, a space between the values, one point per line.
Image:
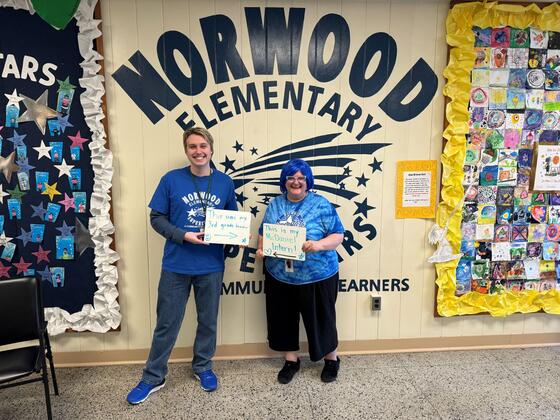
x=320 y=219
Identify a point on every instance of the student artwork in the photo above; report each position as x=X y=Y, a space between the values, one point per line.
x=511 y=167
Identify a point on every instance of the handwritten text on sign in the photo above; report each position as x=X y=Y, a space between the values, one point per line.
x=281 y=241
x=227 y=227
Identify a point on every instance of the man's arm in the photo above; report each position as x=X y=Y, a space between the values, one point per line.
x=161 y=224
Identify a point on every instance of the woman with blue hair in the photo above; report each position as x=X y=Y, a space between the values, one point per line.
x=308 y=288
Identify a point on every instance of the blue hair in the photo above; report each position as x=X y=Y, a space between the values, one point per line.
x=291 y=168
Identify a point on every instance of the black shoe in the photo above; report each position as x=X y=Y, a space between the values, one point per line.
x=287 y=373
x=330 y=371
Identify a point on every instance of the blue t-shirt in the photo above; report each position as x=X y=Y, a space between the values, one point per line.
x=176 y=196
x=320 y=219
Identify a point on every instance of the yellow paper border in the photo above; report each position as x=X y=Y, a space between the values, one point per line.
x=426 y=212
x=460 y=20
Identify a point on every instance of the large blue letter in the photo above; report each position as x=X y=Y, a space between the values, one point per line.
x=220 y=38
x=274 y=39
x=167 y=44
x=335 y=24
x=146 y=87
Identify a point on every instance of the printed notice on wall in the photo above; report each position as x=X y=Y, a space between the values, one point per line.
x=416 y=189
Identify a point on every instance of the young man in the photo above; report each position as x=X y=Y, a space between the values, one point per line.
x=179 y=207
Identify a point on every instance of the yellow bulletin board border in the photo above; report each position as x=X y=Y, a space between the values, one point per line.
x=460 y=20
x=425 y=212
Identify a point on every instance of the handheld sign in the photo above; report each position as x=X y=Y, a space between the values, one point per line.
x=227 y=227
x=282 y=241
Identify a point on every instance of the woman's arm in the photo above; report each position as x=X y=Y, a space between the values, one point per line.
x=327 y=243
x=260 y=247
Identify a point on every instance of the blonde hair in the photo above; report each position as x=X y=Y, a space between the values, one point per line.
x=201 y=132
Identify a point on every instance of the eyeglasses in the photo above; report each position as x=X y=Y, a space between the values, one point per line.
x=296 y=178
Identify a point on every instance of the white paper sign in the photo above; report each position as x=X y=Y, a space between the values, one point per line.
x=282 y=241
x=417 y=189
x=227 y=227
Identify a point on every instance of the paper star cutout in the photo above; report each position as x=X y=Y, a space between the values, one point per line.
x=5 y=270
x=77 y=140
x=7 y=166
x=42 y=254
x=43 y=150
x=38 y=111
x=38 y=211
x=24 y=166
x=17 y=193
x=362 y=207
x=64 y=169
x=25 y=237
x=238 y=147
x=65 y=230
x=21 y=266
x=254 y=210
x=2 y=194
x=51 y=191
x=240 y=198
x=253 y=151
x=46 y=274
x=65 y=84
x=4 y=239
x=13 y=98
x=17 y=139
x=228 y=164
x=63 y=122
x=68 y=202
x=83 y=238
x=362 y=180
x=375 y=166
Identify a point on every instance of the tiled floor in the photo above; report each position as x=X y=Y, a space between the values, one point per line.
x=486 y=384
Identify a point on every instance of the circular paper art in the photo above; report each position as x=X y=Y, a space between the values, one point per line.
x=496 y=118
x=553 y=232
x=550 y=119
x=533 y=119
x=479 y=96
x=535 y=78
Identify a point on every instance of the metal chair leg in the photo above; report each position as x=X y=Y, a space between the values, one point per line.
x=51 y=363
x=45 y=376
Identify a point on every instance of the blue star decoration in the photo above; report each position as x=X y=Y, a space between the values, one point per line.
x=17 y=139
x=24 y=165
x=363 y=207
x=375 y=166
x=238 y=147
x=362 y=180
x=347 y=171
x=254 y=211
x=65 y=230
x=38 y=211
x=25 y=237
x=63 y=122
x=228 y=165
x=253 y=151
x=240 y=198
x=46 y=274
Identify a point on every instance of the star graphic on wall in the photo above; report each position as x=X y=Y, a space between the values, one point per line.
x=14 y=98
x=46 y=274
x=63 y=122
x=78 y=141
x=4 y=239
x=342 y=186
x=7 y=166
x=21 y=266
x=238 y=147
x=38 y=211
x=255 y=189
x=64 y=84
x=2 y=193
x=363 y=207
x=83 y=238
x=42 y=254
x=266 y=200
x=17 y=193
x=240 y=198
x=51 y=190
x=68 y=202
x=17 y=139
x=254 y=211
x=362 y=180
x=63 y=169
x=228 y=165
x=38 y=111
x=375 y=166
x=5 y=270
x=43 y=150
x=254 y=151
x=25 y=237
x=65 y=230
x=347 y=171
x=24 y=165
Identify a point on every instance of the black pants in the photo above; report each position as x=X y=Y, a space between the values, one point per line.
x=316 y=304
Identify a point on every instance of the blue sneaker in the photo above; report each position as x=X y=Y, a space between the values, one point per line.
x=142 y=391
x=208 y=380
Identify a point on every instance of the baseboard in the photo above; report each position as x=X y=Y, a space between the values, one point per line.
x=261 y=350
